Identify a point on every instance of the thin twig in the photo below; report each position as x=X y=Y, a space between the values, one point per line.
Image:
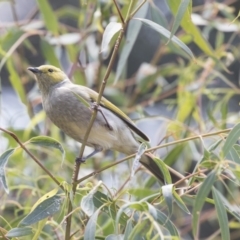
x=32 y=156
x=152 y=149
x=93 y=117
x=119 y=12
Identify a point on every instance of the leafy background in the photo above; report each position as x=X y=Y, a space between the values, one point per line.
x=186 y=104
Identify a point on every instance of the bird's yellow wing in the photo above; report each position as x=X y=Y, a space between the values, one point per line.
x=114 y=109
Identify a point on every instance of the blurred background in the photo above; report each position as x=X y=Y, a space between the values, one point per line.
x=169 y=95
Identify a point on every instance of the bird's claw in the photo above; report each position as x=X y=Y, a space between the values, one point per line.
x=95 y=106
x=80 y=160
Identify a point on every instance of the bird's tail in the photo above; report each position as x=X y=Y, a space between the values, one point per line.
x=148 y=162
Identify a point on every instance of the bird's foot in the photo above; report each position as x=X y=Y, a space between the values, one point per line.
x=98 y=108
x=80 y=160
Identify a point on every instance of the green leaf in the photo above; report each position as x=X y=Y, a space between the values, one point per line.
x=100 y=199
x=190 y=28
x=87 y=203
x=19 y=232
x=49 y=54
x=111 y=29
x=115 y=237
x=163 y=31
x=3 y=161
x=16 y=81
x=180 y=202
x=90 y=230
x=232 y=137
x=222 y=215
x=45 y=209
x=128 y=229
x=164 y=170
x=183 y=7
x=46 y=141
x=49 y=16
x=163 y=220
x=168 y=196
x=132 y=33
x=157 y=16
x=233 y=155
x=203 y=192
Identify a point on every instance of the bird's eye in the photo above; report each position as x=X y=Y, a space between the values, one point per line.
x=50 y=70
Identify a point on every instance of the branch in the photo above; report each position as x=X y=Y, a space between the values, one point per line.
x=152 y=149
x=32 y=156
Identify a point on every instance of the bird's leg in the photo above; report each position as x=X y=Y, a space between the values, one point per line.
x=95 y=106
x=83 y=159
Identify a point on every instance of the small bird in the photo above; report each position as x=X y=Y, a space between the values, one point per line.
x=64 y=104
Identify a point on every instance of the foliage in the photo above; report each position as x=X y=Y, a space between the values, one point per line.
x=106 y=200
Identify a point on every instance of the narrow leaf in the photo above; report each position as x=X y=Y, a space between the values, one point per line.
x=178 y=18
x=100 y=199
x=168 y=196
x=3 y=161
x=190 y=28
x=16 y=81
x=232 y=137
x=111 y=29
x=180 y=202
x=163 y=31
x=45 y=209
x=49 y=16
x=90 y=229
x=164 y=170
x=87 y=203
x=222 y=215
x=200 y=198
x=132 y=34
x=49 y=54
x=115 y=237
x=163 y=220
x=128 y=229
x=46 y=141
x=45 y=197
x=19 y=232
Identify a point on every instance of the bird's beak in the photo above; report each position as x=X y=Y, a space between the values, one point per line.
x=34 y=70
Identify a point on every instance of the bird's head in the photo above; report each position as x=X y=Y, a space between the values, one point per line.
x=48 y=76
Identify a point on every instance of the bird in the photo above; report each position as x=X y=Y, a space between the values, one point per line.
x=67 y=106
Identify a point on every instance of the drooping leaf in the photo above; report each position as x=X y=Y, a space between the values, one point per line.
x=16 y=81
x=87 y=203
x=90 y=229
x=222 y=215
x=190 y=28
x=180 y=202
x=19 y=232
x=200 y=198
x=45 y=209
x=132 y=33
x=232 y=137
x=163 y=31
x=99 y=199
x=3 y=161
x=183 y=7
x=49 y=54
x=164 y=170
x=49 y=17
x=45 y=141
x=167 y=191
x=111 y=29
